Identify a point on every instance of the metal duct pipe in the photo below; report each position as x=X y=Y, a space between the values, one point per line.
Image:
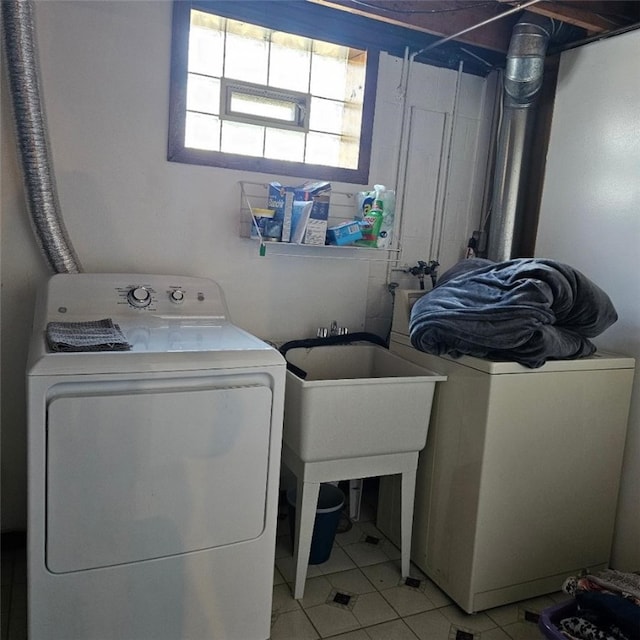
x=31 y=136
x=522 y=83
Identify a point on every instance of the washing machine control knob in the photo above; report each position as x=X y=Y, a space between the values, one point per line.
x=139 y=297
x=177 y=296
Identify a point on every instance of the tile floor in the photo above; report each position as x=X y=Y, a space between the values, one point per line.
x=356 y=595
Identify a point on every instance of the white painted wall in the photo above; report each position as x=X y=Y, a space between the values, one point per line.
x=105 y=77
x=590 y=218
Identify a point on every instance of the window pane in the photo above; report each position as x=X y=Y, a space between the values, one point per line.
x=203 y=94
x=332 y=151
x=328 y=72
x=263 y=106
x=202 y=132
x=247 y=52
x=245 y=139
x=289 y=62
x=352 y=123
x=284 y=145
x=207 y=20
x=326 y=115
x=349 y=153
x=206 y=44
x=356 y=74
x=322 y=149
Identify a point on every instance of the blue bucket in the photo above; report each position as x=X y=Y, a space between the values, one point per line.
x=330 y=503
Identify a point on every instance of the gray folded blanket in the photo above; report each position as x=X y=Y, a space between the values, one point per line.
x=92 y=335
x=524 y=310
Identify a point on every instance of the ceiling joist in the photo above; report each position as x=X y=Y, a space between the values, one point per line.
x=437 y=17
x=593 y=16
x=444 y=18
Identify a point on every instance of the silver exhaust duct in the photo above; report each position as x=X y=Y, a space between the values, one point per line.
x=31 y=136
x=522 y=83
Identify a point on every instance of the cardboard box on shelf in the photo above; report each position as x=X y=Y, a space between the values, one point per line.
x=316 y=231
x=320 y=194
x=345 y=233
x=281 y=200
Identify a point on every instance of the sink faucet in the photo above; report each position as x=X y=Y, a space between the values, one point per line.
x=334 y=330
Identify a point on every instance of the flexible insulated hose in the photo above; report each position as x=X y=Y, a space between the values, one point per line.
x=31 y=136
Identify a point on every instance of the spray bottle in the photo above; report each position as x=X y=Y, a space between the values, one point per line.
x=372 y=221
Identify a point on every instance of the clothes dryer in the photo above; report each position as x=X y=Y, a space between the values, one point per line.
x=517 y=486
x=153 y=471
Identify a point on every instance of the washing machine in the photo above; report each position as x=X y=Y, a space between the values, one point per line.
x=518 y=483
x=153 y=463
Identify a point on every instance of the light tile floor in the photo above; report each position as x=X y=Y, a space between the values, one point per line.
x=380 y=606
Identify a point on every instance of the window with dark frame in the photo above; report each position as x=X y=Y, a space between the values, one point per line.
x=262 y=97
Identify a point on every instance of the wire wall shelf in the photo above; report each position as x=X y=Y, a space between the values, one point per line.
x=342 y=208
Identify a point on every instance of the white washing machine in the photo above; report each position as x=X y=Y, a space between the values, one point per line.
x=153 y=472
x=518 y=483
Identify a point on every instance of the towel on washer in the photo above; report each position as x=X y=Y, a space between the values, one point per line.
x=524 y=310
x=93 y=335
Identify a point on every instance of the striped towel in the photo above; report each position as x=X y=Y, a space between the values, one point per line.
x=93 y=335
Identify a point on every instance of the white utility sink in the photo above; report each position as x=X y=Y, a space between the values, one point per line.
x=355 y=400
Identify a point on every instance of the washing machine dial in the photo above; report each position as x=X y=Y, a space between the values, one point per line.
x=139 y=297
x=176 y=296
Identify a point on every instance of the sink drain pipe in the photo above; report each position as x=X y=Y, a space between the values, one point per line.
x=31 y=136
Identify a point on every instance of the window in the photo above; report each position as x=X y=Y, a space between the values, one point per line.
x=260 y=98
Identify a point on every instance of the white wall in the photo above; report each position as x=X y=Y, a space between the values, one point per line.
x=590 y=218
x=105 y=78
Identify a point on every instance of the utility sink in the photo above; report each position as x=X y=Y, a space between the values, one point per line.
x=348 y=401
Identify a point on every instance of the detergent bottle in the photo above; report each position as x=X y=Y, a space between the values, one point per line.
x=371 y=223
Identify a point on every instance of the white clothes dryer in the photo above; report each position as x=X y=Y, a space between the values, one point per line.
x=153 y=472
x=518 y=483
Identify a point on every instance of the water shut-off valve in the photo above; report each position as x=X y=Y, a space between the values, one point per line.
x=422 y=269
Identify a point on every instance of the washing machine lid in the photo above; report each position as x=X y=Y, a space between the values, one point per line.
x=598 y=361
x=183 y=325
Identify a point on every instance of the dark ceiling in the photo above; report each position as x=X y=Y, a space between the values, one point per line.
x=591 y=18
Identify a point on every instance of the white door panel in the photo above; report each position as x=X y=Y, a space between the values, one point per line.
x=135 y=476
